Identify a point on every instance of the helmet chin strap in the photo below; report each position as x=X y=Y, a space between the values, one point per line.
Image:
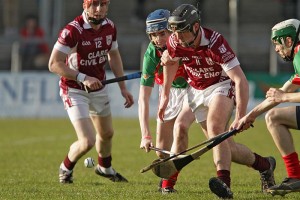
x=93 y=20
x=191 y=43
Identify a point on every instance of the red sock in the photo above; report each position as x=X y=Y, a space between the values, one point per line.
x=292 y=165
x=105 y=162
x=224 y=175
x=68 y=164
x=167 y=183
x=261 y=164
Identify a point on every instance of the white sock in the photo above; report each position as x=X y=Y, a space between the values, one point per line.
x=109 y=170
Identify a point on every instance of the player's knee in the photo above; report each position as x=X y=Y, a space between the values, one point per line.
x=271 y=117
x=87 y=144
x=107 y=135
x=180 y=130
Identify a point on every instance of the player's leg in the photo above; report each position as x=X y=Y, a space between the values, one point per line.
x=164 y=136
x=182 y=124
x=279 y=121
x=78 y=112
x=219 y=112
x=241 y=154
x=86 y=139
x=100 y=113
x=164 y=139
x=180 y=141
x=104 y=135
x=165 y=131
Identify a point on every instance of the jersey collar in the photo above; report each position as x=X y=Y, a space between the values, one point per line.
x=204 y=41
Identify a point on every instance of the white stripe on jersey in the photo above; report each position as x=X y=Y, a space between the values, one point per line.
x=114 y=45
x=62 y=48
x=230 y=65
x=77 y=26
x=214 y=38
x=172 y=41
x=110 y=22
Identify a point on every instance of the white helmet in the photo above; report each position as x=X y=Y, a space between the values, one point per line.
x=287 y=28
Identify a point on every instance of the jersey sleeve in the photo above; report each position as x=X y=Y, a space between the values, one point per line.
x=67 y=39
x=114 y=45
x=171 y=47
x=223 y=54
x=295 y=79
x=149 y=67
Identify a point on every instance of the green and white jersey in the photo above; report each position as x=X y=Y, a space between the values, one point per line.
x=153 y=72
x=295 y=78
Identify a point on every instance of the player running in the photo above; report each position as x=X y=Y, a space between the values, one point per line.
x=286 y=40
x=217 y=85
x=178 y=116
x=79 y=55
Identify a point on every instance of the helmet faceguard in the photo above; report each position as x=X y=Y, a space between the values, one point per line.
x=156 y=22
x=89 y=10
x=282 y=30
x=183 y=19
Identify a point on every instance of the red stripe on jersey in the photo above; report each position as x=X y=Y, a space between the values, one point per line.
x=297 y=48
x=65 y=96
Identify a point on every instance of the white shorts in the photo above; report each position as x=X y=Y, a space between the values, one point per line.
x=199 y=99
x=176 y=99
x=80 y=104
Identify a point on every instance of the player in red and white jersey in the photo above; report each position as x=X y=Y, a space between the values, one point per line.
x=209 y=65
x=84 y=46
x=217 y=84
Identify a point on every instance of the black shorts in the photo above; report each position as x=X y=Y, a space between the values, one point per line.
x=298 y=116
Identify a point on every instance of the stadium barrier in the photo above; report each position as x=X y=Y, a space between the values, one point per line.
x=36 y=94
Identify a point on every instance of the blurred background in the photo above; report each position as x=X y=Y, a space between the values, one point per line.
x=29 y=29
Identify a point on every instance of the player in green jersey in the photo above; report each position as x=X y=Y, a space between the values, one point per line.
x=172 y=132
x=279 y=120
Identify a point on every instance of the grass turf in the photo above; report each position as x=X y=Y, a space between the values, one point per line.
x=32 y=149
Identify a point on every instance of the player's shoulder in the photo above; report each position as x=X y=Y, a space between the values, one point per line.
x=297 y=49
x=151 y=48
x=172 y=41
x=109 y=22
x=151 y=52
x=214 y=37
x=76 y=25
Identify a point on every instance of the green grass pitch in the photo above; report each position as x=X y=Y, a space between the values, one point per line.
x=32 y=149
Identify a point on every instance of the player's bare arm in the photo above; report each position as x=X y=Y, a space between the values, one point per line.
x=170 y=68
x=144 y=97
x=285 y=94
x=57 y=65
x=263 y=107
x=242 y=93
x=116 y=65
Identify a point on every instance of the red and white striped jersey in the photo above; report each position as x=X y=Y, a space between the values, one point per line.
x=207 y=64
x=87 y=48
